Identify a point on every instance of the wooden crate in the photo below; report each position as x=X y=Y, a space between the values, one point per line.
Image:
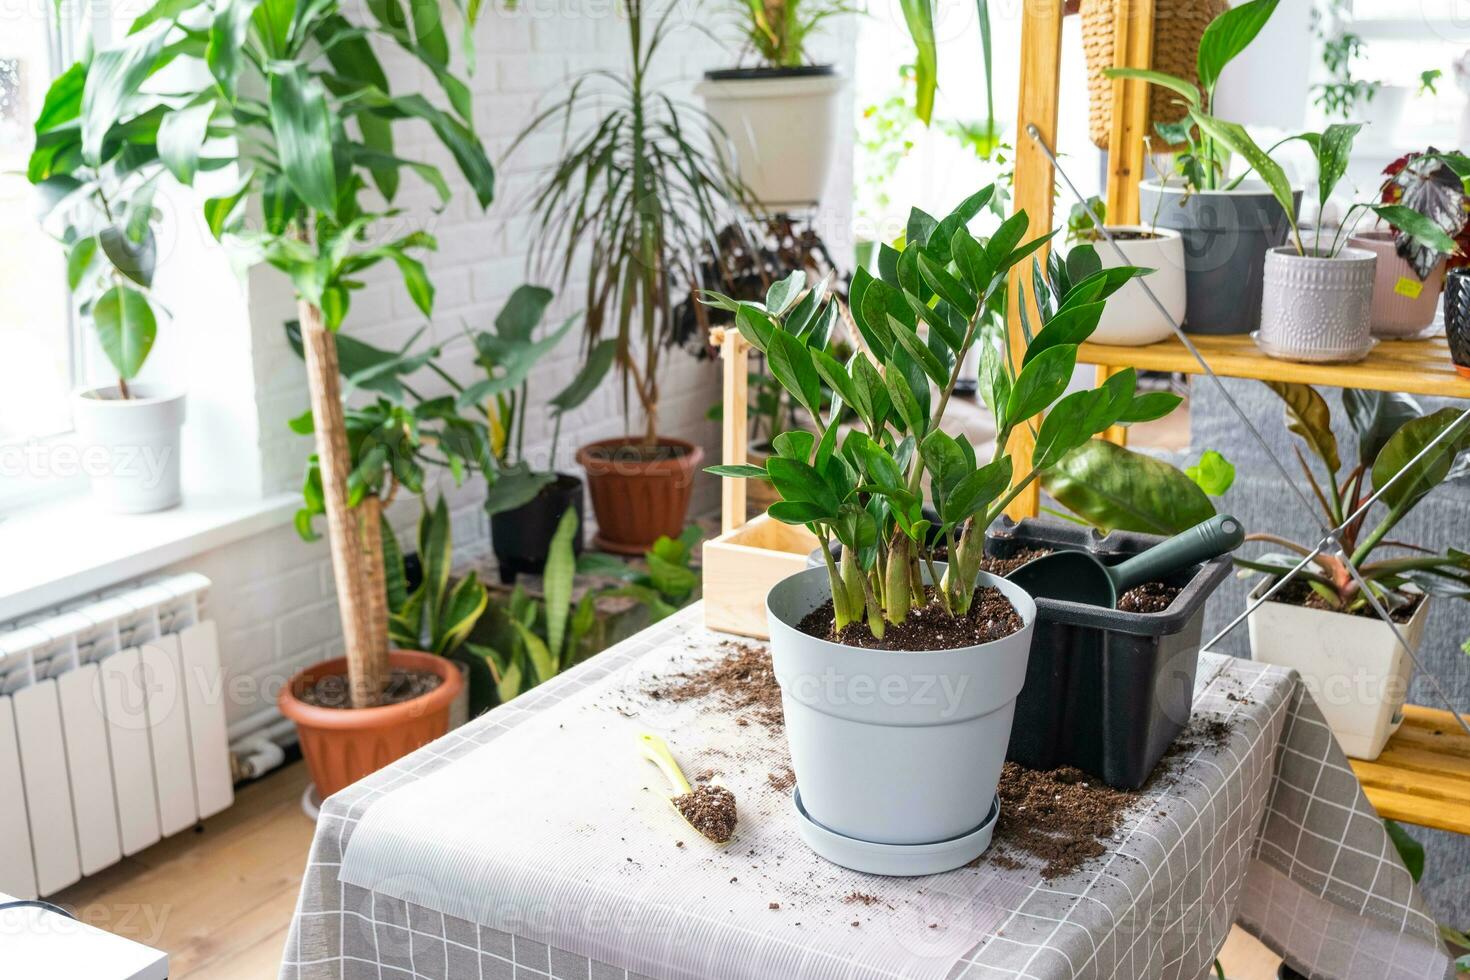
x=741 y=566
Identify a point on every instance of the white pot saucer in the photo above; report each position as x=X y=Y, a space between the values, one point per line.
x=897 y=860
x=1315 y=357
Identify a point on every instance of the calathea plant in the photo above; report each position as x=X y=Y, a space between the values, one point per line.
x=865 y=490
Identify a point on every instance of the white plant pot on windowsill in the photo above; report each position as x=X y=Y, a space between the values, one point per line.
x=130 y=446
x=782 y=127
x=1130 y=318
x=1354 y=667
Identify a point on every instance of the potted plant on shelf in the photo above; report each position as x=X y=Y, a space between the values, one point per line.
x=903 y=777
x=1227 y=225
x=97 y=169
x=1411 y=271
x=1323 y=624
x=1131 y=319
x=779 y=117
x=308 y=108
x=1317 y=300
x=525 y=504
x=657 y=198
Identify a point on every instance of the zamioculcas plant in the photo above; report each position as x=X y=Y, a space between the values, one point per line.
x=1392 y=430
x=865 y=490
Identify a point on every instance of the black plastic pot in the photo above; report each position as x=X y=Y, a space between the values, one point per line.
x=1106 y=691
x=521 y=536
x=795 y=71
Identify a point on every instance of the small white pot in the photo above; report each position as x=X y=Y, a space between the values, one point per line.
x=130 y=446
x=782 y=129
x=1353 y=666
x=1130 y=318
x=1318 y=309
x=894 y=747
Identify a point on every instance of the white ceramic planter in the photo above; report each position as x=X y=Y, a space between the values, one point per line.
x=1403 y=304
x=130 y=447
x=1130 y=318
x=1354 y=667
x=782 y=129
x=1317 y=309
x=892 y=747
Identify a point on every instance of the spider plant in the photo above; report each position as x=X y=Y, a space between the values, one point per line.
x=1391 y=429
x=634 y=199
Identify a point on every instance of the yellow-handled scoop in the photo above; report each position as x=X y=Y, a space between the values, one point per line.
x=710 y=810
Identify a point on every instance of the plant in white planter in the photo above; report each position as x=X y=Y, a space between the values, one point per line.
x=1131 y=319
x=1318 y=295
x=97 y=171
x=778 y=117
x=1323 y=625
x=899 y=672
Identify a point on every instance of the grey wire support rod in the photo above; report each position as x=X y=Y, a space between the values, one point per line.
x=1330 y=537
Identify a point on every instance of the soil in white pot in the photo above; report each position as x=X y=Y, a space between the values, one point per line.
x=991 y=617
x=1299 y=593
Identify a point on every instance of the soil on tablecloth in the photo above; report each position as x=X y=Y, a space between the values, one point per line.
x=742 y=681
x=709 y=810
x=1299 y=593
x=991 y=617
x=332 y=691
x=1064 y=817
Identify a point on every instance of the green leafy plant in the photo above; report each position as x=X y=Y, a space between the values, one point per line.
x=1430 y=183
x=294 y=97
x=1429 y=81
x=1331 y=148
x=1214 y=474
x=1117 y=489
x=633 y=200
x=435 y=616
x=1342 y=91
x=918 y=16
x=867 y=494
x=668 y=582
x=778 y=30
x=1391 y=430
x=1202 y=162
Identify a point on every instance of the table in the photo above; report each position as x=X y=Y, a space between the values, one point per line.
x=1268 y=829
x=37 y=942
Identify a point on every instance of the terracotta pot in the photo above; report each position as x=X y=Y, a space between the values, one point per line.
x=1403 y=305
x=342 y=745
x=638 y=500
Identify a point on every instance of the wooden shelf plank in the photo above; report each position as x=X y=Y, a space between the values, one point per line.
x=1418 y=367
x=1423 y=775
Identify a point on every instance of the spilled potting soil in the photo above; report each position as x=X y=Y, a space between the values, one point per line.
x=991 y=617
x=742 y=681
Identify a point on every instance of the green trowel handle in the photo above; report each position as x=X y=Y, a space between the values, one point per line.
x=1210 y=539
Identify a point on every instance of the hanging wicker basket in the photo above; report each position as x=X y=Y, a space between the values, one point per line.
x=1178 y=27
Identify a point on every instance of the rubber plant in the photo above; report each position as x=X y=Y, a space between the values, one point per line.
x=294 y=97
x=918 y=321
x=1391 y=431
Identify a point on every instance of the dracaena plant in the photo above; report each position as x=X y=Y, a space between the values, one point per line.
x=292 y=94
x=1202 y=162
x=934 y=301
x=1331 y=149
x=1391 y=431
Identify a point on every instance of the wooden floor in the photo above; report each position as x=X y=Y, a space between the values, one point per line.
x=219 y=901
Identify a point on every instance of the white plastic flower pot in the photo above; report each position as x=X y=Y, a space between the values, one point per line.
x=1315 y=308
x=894 y=747
x=1354 y=666
x=130 y=446
x=780 y=127
x=1130 y=318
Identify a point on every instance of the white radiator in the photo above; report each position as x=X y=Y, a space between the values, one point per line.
x=112 y=732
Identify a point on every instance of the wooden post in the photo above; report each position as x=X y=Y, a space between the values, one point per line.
x=735 y=352
x=367 y=646
x=1133 y=47
x=1041 y=66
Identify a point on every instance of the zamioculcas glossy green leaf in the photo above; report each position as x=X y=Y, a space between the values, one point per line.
x=1117 y=489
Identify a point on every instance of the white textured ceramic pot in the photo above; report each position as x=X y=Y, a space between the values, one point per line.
x=1316 y=308
x=1353 y=665
x=894 y=747
x=782 y=126
x=130 y=446
x=1130 y=318
x=1403 y=304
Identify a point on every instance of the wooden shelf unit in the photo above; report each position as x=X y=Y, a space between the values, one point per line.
x=1423 y=775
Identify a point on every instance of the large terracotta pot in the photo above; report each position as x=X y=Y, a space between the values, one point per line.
x=342 y=745
x=637 y=500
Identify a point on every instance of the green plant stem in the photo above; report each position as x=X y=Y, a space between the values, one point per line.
x=916 y=469
x=939 y=588
x=840 y=616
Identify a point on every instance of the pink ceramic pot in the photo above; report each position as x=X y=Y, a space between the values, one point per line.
x=1403 y=306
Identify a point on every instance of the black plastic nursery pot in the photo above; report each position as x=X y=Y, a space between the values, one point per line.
x=1106 y=691
x=792 y=71
x=521 y=536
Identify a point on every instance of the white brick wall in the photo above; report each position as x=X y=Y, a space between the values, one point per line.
x=273 y=595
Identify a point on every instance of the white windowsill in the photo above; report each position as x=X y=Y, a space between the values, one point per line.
x=57 y=552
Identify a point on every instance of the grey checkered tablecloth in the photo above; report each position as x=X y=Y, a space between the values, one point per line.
x=1268 y=828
